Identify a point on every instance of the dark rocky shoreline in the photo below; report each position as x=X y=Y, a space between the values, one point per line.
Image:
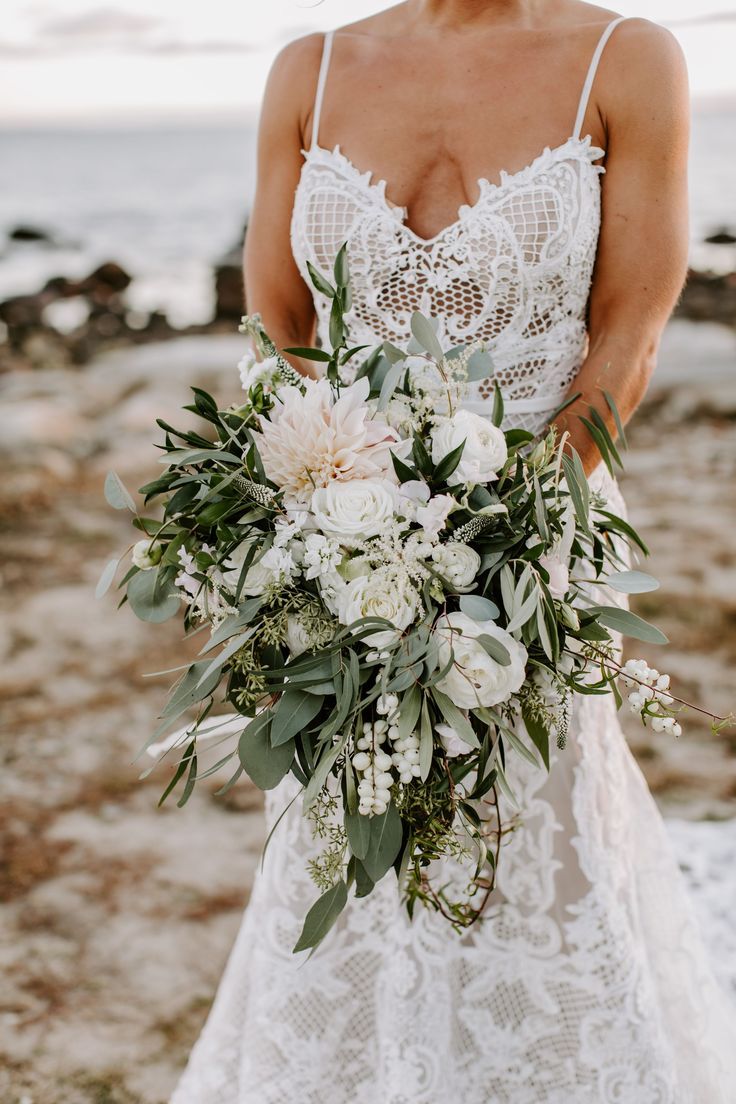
x=29 y=339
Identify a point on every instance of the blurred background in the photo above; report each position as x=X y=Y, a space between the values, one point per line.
x=126 y=170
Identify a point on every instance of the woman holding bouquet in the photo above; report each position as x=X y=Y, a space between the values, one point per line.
x=516 y=169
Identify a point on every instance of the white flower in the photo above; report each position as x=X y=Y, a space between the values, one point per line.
x=556 y=562
x=384 y=593
x=451 y=742
x=296 y=635
x=475 y=678
x=322 y=555
x=355 y=510
x=273 y=566
x=310 y=439
x=288 y=526
x=457 y=563
x=433 y=516
x=146 y=555
x=265 y=372
x=484 y=453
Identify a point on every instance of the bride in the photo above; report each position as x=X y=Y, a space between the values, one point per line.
x=415 y=135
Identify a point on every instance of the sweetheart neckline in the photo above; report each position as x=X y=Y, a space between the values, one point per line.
x=400 y=213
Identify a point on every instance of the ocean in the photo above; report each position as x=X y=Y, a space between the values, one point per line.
x=166 y=201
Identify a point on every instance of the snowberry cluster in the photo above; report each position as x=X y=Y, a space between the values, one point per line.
x=649 y=695
x=373 y=765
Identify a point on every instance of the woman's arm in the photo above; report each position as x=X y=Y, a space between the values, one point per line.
x=642 y=253
x=273 y=285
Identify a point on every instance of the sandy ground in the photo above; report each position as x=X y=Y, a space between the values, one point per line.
x=117 y=916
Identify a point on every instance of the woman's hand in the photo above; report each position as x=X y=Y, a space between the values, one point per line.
x=642 y=254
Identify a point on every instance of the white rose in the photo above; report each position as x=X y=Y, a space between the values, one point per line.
x=146 y=555
x=383 y=593
x=559 y=574
x=433 y=516
x=485 y=446
x=353 y=510
x=475 y=678
x=457 y=563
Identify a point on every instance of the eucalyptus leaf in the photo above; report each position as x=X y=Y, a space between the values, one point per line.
x=117 y=494
x=632 y=582
x=106 y=578
x=152 y=599
x=264 y=765
x=386 y=834
x=478 y=608
x=424 y=332
x=455 y=718
x=321 y=916
x=495 y=649
x=358 y=830
x=293 y=713
x=629 y=624
x=480 y=365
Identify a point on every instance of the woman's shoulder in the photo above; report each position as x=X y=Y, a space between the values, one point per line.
x=645 y=46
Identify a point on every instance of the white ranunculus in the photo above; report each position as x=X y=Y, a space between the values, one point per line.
x=146 y=555
x=383 y=593
x=451 y=742
x=485 y=446
x=434 y=515
x=275 y=564
x=354 y=510
x=457 y=563
x=475 y=678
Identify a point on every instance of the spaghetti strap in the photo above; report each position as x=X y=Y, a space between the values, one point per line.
x=585 y=95
x=324 y=66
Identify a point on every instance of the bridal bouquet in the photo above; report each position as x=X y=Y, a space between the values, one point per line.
x=398 y=596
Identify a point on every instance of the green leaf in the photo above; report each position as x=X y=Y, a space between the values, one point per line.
x=480 y=365
x=319 y=281
x=321 y=916
x=151 y=599
x=293 y=713
x=478 y=608
x=404 y=471
x=264 y=765
x=628 y=623
x=116 y=493
x=455 y=718
x=409 y=709
x=448 y=463
x=497 y=414
x=616 y=417
x=495 y=649
x=539 y=735
x=358 y=829
x=632 y=582
x=106 y=578
x=525 y=611
x=390 y=383
x=600 y=441
x=340 y=268
x=578 y=491
x=363 y=884
x=426 y=743
x=424 y=332
x=310 y=354
x=385 y=843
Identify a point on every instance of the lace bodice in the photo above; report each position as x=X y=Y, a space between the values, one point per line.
x=514 y=268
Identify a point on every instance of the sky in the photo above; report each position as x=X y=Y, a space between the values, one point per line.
x=75 y=60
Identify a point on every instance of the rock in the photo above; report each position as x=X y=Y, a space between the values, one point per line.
x=229 y=290
x=721 y=237
x=108 y=279
x=24 y=233
x=709 y=298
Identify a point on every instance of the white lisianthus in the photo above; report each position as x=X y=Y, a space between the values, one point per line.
x=274 y=565
x=433 y=516
x=322 y=555
x=556 y=562
x=354 y=510
x=146 y=555
x=265 y=372
x=383 y=593
x=451 y=742
x=475 y=678
x=485 y=450
x=457 y=563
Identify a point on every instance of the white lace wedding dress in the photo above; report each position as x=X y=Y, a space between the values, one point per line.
x=587 y=981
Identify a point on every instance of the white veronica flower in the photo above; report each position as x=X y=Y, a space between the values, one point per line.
x=355 y=510
x=485 y=450
x=475 y=678
x=457 y=563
